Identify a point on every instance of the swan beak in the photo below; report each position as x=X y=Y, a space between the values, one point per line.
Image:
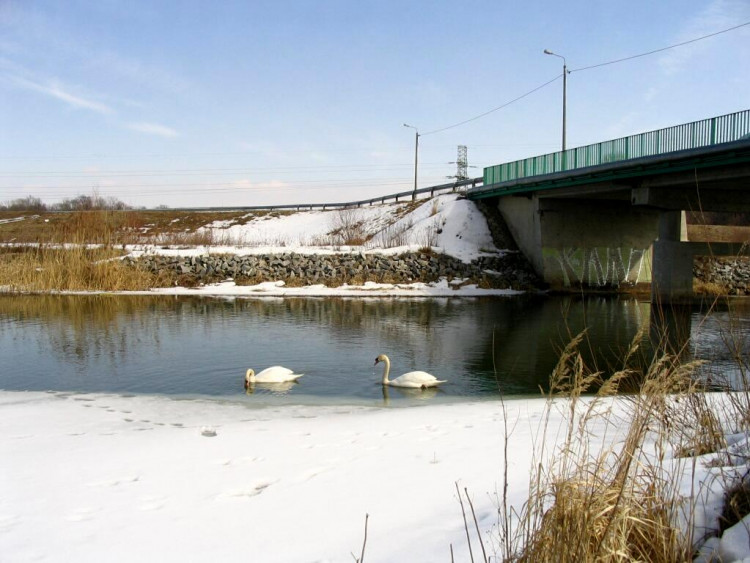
x=376 y=362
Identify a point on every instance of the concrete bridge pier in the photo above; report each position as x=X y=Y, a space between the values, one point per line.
x=672 y=266
x=594 y=244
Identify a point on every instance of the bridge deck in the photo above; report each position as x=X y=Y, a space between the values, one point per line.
x=719 y=155
x=690 y=143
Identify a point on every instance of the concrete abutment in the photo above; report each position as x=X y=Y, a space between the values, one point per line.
x=574 y=244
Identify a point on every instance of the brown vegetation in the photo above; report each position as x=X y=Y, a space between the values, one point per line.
x=620 y=504
x=78 y=268
x=117 y=227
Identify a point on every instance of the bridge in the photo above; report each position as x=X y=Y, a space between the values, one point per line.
x=612 y=214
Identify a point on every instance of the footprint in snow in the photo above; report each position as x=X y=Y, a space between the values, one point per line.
x=245 y=493
x=82 y=514
x=149 y=504
x=8 y=521
x=115 y=482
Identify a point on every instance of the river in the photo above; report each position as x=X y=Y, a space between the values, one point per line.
x=201 y=346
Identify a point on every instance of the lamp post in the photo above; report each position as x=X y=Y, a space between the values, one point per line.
x=565 y=88
x=416 y=158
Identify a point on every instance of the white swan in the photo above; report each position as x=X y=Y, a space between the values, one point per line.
x=274 y=374
x=414 y=379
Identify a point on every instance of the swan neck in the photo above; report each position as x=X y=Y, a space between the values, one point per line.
x=386 y=371
x=250 y=376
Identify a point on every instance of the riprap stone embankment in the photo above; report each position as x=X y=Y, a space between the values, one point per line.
x=730 y=273
x=508 y=270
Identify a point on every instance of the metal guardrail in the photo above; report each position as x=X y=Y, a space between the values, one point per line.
x=432 y=190
x=707 y=132
x=720 y=154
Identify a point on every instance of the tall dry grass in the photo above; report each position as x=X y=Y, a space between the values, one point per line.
x=619 y=503
x=76 y=267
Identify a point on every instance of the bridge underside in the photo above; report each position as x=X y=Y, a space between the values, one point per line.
x=624 y=228
x=597 y=244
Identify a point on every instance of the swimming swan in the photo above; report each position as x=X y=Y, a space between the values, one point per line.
x=274 y=374
x=414 y=379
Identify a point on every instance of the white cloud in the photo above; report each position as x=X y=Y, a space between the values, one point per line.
x=152 y=129
x=138 y=72
x=54 y=90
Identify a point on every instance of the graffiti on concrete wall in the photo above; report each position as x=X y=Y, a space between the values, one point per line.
x=596 y=267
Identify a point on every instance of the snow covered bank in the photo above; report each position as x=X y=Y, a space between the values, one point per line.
x=104 y=477
x=368 y=289
x=276 y=247
x=454 y=229
x=446 y=223
x=451 y=225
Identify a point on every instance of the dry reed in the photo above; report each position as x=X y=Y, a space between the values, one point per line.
x=47 y=268
x=617 y=504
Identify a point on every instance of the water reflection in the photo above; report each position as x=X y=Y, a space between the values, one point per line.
x=717 y=332
x=528 y=339
x=203 y=346
x=408 y=393
x=281 y=388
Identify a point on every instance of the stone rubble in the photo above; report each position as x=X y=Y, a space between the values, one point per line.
x=730 y=273
x=507 y=270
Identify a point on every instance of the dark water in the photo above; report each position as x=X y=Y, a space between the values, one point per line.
x=187 y=346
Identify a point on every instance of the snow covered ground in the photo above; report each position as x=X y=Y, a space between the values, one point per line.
x=447 y=223
x=110 y=478
x=391 y=228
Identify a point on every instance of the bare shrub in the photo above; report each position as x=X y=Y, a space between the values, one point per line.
x=430 y=234
x=393 y=236
x=319 y=240
x=28 y=203
x=434 y=207
x=201 y=237
x=348 y=228
x=90 y=203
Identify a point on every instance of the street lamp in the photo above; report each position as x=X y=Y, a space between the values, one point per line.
x=565 y=87
x=416 y=158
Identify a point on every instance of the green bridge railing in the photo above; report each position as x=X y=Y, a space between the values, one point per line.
x=722 y=129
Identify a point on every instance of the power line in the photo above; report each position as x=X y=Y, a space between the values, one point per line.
x=209 y=154
x=178 y=155
x=308 y=184
x=493 y=109
x=201 y=187
x=660 y=50
x=582 y=69
x=213 y=171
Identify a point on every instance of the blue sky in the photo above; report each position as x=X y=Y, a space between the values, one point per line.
x=194 y=103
